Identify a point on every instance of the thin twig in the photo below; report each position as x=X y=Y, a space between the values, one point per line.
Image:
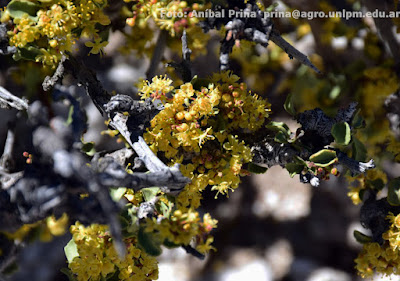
x=184 y=67
x=291 y=51
x=385 y=28
x=8 y=100
x=6 y=160
x=5 y=48
x=157 y=54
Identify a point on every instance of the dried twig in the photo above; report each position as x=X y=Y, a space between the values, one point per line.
x=8 y=100
x=291 y=51
x=184 y=67
x=6 y=160
x=258 y=29
x=385 y=28
x=157 y=54
x=5 y=48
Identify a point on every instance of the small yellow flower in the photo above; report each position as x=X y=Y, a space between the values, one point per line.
x=97 y=46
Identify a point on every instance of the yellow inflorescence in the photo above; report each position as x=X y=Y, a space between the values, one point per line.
x=359 y=183
x=384 y=259
x=56 y=28
x=46 y=229
x=173 y=16
x=183 y=227
x=98 y=258
x=195 y=129
x=146 y=17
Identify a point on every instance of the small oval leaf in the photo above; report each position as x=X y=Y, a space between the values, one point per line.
x=117 y=193
x=279 y=127
x=294 y=168
x=324 y=157
x=28 y=53
x=361 y=237
x=359 y=150
x=149 y=192
x=256 y=169
x=342 y=133
x=19 y=8
x=148 y=243
x=288 y=106
x=71 y=250
x=394 y=192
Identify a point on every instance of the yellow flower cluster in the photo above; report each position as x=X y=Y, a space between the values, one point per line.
x=360 y=182
x=98 y=258
x=195 y=129
x=56 y=27
x=46 y=229
x=377 y=84
x=384 y=259
x=173 y=16
x=183 y=227
x=380 y=82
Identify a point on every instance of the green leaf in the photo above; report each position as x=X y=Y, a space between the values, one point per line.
x=71 y=250
x=256 y=169
x=335 y=92
x=88 y=148
x=27 y=53
x=149 y=192
x=129 y=221
x=170 y=245
x=324 y=157
x=394 y=192
x=279 y=127
x=113 y=276
x=288 y=106
x=361 y=192
x=342 y=133
x=377 y=184
x=165 y=209
x=294 y=168
x=148 y=243
x=117 y=193
x=68 y=272
x=361 y=238
x=358 y=121
x=19 y=8
x=272 y=7
x=359 y=150
x=70 y=114
x=281 y=137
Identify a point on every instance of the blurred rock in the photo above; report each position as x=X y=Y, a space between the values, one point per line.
x=257 y=270
x=301 y=269
x=173 y=271
x=177 y=265
x=329 y=274
x=380 y=277
x=351 y=240
x=280 y=196
x=280 y=257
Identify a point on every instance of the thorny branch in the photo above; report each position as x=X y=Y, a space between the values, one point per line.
x=39 y=194
x=258 y=29
x=315 y=135
x=184 y=67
